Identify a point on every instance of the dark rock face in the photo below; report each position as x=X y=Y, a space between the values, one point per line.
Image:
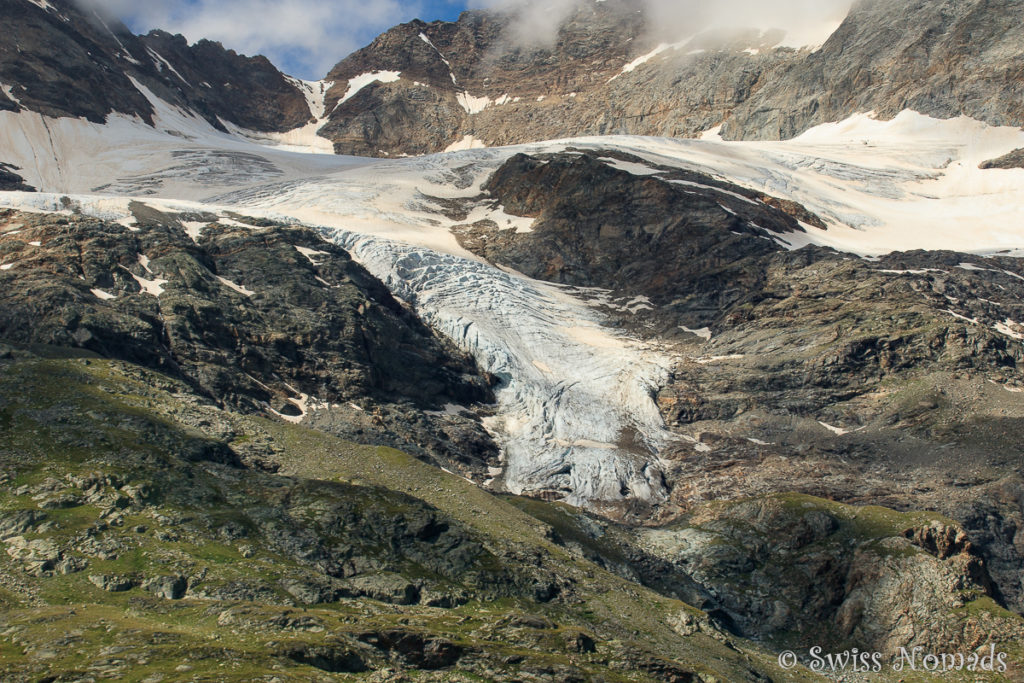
x=1014 y=159
x=11 y=181
x=385 y=117
x=69 y=61
x=311 y=329
x=683 y=239
x=72 y=67
x=248 y=91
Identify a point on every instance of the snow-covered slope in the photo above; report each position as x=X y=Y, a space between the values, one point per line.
x=576 y=414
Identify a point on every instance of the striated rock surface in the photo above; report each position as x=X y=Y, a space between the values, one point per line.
x=942 y=58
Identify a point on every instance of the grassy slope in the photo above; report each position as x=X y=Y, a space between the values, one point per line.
x=75 y=416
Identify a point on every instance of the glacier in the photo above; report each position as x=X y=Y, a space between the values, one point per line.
x=576 y=416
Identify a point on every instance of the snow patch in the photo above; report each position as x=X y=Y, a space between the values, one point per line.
x=504 y=220
x=100 y=294
x=838 y=431
x=704 y=332
x=737 y=195
x=9 y=91
x=315 y=93
x=151 y=287
x=1011 y=329
x=467 y=142
x=235 y=286
x=362 y=80
x=629 y=166
x=472 y=105
x=707 y=360
x=162 y=65
x=194 y=229
x=973 y=321
x=310 y=253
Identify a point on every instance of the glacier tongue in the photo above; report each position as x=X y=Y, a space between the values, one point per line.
x=577 y=418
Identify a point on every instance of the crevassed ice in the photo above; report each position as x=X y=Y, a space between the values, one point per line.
x=576 y=408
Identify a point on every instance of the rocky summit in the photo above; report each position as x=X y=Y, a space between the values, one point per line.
x=613 y=347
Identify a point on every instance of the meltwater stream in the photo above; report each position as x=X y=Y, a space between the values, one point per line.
x=576 y=413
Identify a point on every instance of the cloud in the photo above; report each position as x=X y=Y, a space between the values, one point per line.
x=805 y=21
x=303 y=37
x=307 y=37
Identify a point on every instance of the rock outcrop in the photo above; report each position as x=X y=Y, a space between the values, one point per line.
x=313 y=330
x=1014 y=159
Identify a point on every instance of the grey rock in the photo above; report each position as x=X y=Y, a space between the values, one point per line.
x=113 y=584
x=1014 y=159
x=390 y=588
x=169 y=587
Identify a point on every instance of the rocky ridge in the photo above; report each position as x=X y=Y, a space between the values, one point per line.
x=424 y=87
x=608 y=71
x=69 y=60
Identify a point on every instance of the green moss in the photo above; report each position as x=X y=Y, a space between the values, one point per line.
x=986 y=605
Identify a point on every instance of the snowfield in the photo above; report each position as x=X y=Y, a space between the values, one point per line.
x=576 y=414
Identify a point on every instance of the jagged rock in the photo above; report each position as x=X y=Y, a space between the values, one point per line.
x=940 y=540
x=20 y=522
x=882 y=59
x=851 y=575
x=310 y=592
x=71 y=62
x=415 y=649
x=331 y=658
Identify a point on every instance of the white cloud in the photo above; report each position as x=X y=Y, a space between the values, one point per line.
x=307 y=37
x=304 y=36
x=805 y=21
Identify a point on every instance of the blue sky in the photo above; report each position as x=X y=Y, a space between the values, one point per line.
x=304 y=38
